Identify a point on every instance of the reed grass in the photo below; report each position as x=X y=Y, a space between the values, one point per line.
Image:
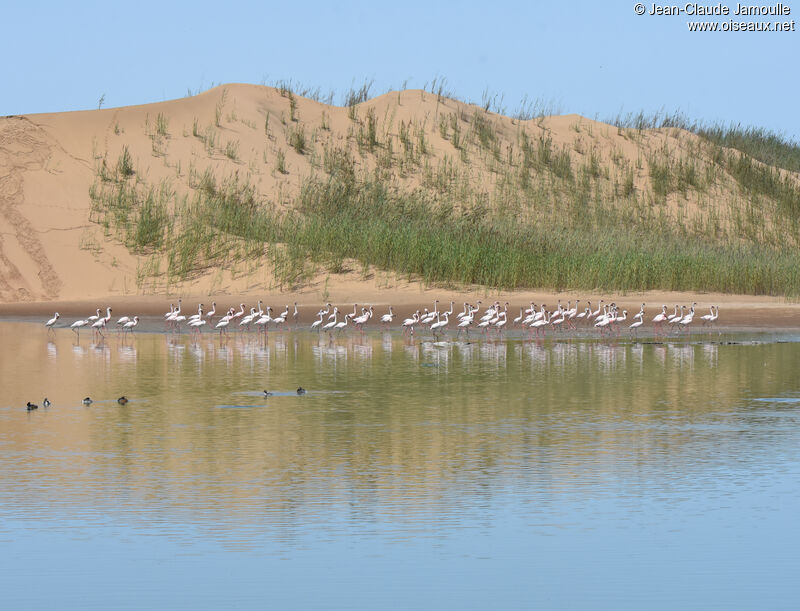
x=553 y=216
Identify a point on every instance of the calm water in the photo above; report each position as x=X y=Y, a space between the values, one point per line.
x=411 y=475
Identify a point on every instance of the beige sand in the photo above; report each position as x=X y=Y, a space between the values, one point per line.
x=736 y=311
x=52 y=256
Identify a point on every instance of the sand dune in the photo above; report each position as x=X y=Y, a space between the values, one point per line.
x=52 y=250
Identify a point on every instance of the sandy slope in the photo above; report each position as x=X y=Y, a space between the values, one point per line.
x=50 y=250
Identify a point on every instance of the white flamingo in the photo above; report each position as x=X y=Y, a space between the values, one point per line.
x=587 y=312
x=687 y=320
x=330 y=325
x=539 y=324
x=661 y=318
x=440 y=325
x=245 y=322
x=128 y=326
x=596 y=313
x=465 y=323
x=408 y=323
x=197 y=316
x=711 y=317
x=240 y=313
x=78 y=325
x=316 y=324
x=49 y=324
x=210 y=314
x=100 y=324
x=500 y=324
x=427 y=320
x=341 y=325
x=674 y=315
x=362 y=320
x=279 y=320
x=223 y=323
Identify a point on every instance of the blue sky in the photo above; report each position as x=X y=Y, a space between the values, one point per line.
x=596 y=59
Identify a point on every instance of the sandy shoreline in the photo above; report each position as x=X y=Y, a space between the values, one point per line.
x=745 y=311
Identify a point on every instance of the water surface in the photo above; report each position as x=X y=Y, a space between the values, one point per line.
x=412 y=474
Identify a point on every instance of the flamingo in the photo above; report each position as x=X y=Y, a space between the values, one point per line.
x=100 y=324
x=491 y=312
x=361 y=320
x=676 y=318
x=128 y=326
x=240 y=313
x=428 y=318
x=295 y=314
x=264 y=319
x=196 y=325
x=78 y=325
x=539 y=324
x=210 y=314
x=170 y=316
x=121 y=321
x=572 y=314
x=223 y=323
x=49 y=324
x=177 y=320
x=603 y=322
x=674 y=315
x=408 y=323
x=440 y=324
x=471 y=310
x=332 y=324
x=687 y=320
x=341 y=325
x=709 y=318
x=326 y=311
x=197 y=316
x=279 y=320
x=387 y=319
x=638 y=321
x=245 y=322
x=465 y=323
x=317 y=323
x=660 y=319
x=555 y=323
x=95 y=317
x=484 y=323
x=620 y=319
x=502 y=322
x=171 y=310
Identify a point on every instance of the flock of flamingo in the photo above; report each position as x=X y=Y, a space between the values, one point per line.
x=536 y=319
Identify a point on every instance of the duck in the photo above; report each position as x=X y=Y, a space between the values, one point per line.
x=46 y=402
x=122 y=400
x=32 y=406
x=301 y=390
x=87 y=401
x=267 y=393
